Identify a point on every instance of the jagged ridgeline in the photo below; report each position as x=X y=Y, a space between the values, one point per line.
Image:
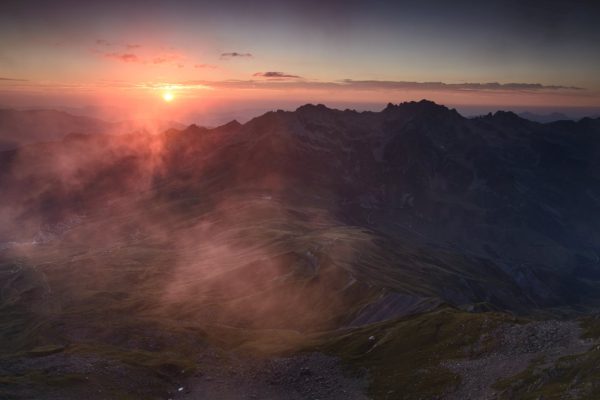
x=307 y=230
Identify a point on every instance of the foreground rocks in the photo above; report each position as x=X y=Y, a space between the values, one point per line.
x=519 y=346
x=307 y=376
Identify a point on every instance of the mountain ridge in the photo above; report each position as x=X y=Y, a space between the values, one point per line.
x=367 y=236
x=418 y=164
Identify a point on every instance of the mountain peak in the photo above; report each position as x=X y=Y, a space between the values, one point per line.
x=419 y=106
x=195 y=129
x=505 y=114
x=233 y=124
x=424 y=108
x=313 y=107
x=506 y=117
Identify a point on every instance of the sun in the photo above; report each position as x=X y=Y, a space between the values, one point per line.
x=168 y=96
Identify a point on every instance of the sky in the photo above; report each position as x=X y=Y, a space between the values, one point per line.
x=220 y=59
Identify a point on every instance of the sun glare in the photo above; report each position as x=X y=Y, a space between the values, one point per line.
x=168 y=96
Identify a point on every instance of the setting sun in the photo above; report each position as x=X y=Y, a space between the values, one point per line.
x=168 y=96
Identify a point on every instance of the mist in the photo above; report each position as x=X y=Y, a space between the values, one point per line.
x=179 y=229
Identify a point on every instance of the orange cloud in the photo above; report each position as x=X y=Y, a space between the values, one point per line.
x=202 y=66
x=169 y=58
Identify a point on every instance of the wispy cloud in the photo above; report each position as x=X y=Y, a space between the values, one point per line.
x=174 y=59
x=12 y=79
x=136 y=53
x=235 y=54
x=205 y=66
x=125 y=57
x=374 y=84
x=387 y=88
x=276 y=75
x=166 y=58
x=183 y=86
x=278 y=82
x=106 y=43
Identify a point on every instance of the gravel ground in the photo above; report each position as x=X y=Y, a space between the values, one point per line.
x=96 y=378
x=519 y=345
x=311 y=376
x=221 y=376
x=230 y=376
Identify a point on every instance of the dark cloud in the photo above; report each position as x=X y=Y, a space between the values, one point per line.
x=125 y=57
x=349 y=84
x=235 y=54
x=12 y=79
x=275 y=75
x=374 y=84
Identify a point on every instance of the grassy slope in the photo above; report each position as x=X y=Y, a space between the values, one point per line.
x=403 y=356
x=85 y=297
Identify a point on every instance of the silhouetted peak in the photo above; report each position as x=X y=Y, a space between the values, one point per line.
x=429 y=103
x=312 y=108
x=506 y=115
x=233 y=124
x=389 y=107
x=423 y=108
x=415 y=106
x=193 y=128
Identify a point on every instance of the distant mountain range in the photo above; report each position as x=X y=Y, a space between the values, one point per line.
x=18 y=127
x=21 y=127
x=515 y=203
x=261 y=235
x=545 y=118
x=553 y=117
